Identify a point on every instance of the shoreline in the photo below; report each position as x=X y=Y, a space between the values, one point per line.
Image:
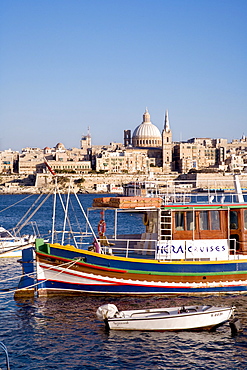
x=113 y=183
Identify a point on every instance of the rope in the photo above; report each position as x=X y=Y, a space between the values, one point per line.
x=31 y=215
x=16 y=203
x=43 y=281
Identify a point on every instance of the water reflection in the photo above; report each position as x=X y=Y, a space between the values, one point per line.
x=70 y=326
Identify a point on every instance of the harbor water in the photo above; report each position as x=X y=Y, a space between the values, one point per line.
x=64 y=333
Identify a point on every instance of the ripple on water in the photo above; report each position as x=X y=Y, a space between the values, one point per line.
x=63 y=333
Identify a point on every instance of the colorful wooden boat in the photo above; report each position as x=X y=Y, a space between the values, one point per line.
x=187 y=248
x=159 y=319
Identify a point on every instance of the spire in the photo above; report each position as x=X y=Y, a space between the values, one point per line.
x=167 y=124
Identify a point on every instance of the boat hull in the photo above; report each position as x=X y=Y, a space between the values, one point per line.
x=67 y=270
x=209 y=320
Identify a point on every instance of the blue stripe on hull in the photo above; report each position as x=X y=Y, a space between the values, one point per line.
x=135 y=289
x=183 y=267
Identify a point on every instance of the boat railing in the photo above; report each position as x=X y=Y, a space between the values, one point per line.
x=201 y=198
x=233 y=246
x=127 y=249
x=140 y=248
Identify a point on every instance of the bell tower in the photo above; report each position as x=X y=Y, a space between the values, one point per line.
x=167 y=145
x=86 y=142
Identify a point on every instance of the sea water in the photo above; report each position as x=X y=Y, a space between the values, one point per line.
x=64 y=333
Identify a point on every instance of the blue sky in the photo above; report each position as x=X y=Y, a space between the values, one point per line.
x=66 y=65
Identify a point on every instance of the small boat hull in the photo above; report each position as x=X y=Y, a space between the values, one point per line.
x=12 y=246
x=170 y=319
x=15 y=252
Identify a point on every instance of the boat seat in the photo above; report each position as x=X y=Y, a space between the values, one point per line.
x=104 y=241
x=160 y=314
x=204 y=308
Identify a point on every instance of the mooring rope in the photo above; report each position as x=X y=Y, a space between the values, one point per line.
x=12 y=205
x=43 y=281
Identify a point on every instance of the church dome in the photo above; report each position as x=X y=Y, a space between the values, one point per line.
x=60 y=146
x=146 y=134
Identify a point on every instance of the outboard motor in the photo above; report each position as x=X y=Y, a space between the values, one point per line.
x=106 y=311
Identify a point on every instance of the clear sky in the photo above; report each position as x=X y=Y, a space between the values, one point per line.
x=69 y=64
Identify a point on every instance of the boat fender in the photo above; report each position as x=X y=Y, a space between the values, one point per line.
x=145 y=219
x=101 y=227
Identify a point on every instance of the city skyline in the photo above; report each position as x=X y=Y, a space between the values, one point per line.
x=67 y=65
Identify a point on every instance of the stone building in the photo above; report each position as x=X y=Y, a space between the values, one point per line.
x=32 y=160
x=8 y=161
x=127 y=160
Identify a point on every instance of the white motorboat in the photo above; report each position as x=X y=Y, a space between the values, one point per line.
x=11 y=246
x=159 y=319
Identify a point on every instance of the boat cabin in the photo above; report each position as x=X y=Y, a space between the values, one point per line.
x=206 y=223
x=176 y=231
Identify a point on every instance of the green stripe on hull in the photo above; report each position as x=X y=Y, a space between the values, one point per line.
x=156 y=273
x=188 y=273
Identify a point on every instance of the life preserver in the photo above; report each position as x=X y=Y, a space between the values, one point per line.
x=145 y=219
x=101 y=227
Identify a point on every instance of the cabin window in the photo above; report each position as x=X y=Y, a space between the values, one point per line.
x=203 y=220
x=179 y=220
x=233 y=220
x=209 y=220
x=189 y=220
x=215 y=220
x=245 y=218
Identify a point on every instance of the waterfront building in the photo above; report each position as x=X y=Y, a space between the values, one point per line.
x=32 y=160
x=120 y=161
x=69 y=166
x=146 y=151
x=8 y=161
